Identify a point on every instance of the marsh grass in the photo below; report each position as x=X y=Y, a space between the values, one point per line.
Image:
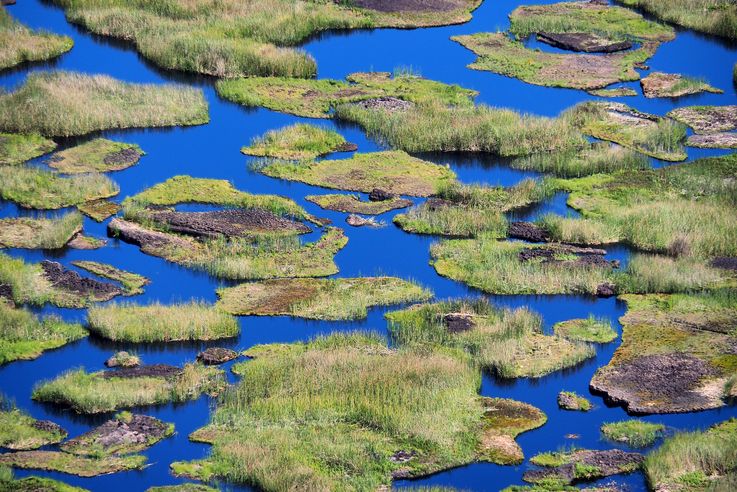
x=352 y=203
x=718 y=17
x=510 y=343
x=17 y=430
x=40 y=189
x=92 y=393
x=82 y=466
x=332 y=299
x=24 y=336
x=635 y=433
x=68 y=104
x=571 y=230
x=437 y=127
x=574 y=163
x=591 y=329
x=131 y=282
x=41 y=233
x=160 y=323
x=296 y=142
x=19 y=44
x=11 y=484
x=98 y=155
x=17 y=148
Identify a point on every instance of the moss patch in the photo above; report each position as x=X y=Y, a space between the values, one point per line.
x=99 y=210
x=354 y=205
x=395 y=171
x=19 y=44
x=159 y=323
x=19 y=431
x=333 y=299
x=509 y=343
x=17 y=149
x=39 y=233
x=98 y=155
x=297 y=142
x=24 y=336
x=635 y=433
x=586 y=330
x=71 y=464
x=298 y=405
x=504 y=420
x=67 y=104
x=105 y=391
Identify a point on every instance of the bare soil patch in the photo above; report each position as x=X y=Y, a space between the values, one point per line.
x=70 y=281
x=123 y=435
x=216 y=355
x=707 y=119
x=389 y=104
x=149 y=371
x=406 y=5
x=230 y=223
x=527 y=231
x=582 y=41
x=713 y=141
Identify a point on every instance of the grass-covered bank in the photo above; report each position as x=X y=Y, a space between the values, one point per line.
x=131 y=282
x=352 y=203
x=51 y=233
x=297 y=142
x=98 y=155
x=67 y=104
x=601 y=157
x=718 y=17
x=19 y=431
x=17 y=148
x=19 y=44
x=30 y=484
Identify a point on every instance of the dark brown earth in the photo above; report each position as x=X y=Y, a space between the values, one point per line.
x=404 y=5
x=122 y=359
x=124 y=436
x=459 y=322
x=662 y=383
x=122 y=158
x=438 y=203
x=49 y=426
x=379 y=195
x=584 y=256
x=386 y=104
x=216 y=355
x=346 y=147
x=150 y=241
x=600 y=463
x=68 y=280
x=723 y=262
x=6 y=292
x=527 y=231
x=581 y=41
x=230 y=223
x=606 y=289
x=152 y=371
x=402 y=456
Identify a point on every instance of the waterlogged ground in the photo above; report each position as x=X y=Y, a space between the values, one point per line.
x=212 y=151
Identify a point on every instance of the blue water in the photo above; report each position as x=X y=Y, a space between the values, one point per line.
x=212 y=151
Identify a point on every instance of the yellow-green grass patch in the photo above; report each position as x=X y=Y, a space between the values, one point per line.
x=184 y=487
x=331 y=299
x=634 y=433
x=98 y=155
x=19 y=431
x=74 y=465
x=131 y=282
x=17 y=148
x=591 y=329
x=67 y=104
x=40 y=233
x=32 y=484
x=352 y=204
x=19 y=44
x=296 y=142
x=575 y=163
x=718 y=17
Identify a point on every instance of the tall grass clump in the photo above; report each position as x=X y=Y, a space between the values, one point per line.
x=571 y=230
x=159 y=323
x=68 y=104
x=19 y=44
x=574 y=163
x=591 y=329
x=635 y=433
x=651 y=273
x=299 y=141
x=18 y=430
x=718 y=17
x=41 y=233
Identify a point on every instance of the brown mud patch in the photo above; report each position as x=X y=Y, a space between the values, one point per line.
x=149 y=240
x=405 y=5
x=527 y=231
x=389 y=104
x=124 y=435
x=581 y=41
x=566 y=254
x=713 y=141
x=123 y=158
x=707 y=119
x=459 y=322
x=725 y=263
x=70 y=281
x=216 y=355
x=229 y=223
x=659 y=84
x=150 y=371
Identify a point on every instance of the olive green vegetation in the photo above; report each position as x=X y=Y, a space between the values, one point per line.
x=570 y=400
x=718 y=17
x=184 y=487
x=67 y=104
x=123 y=359
x=37 y=188
x=509 y=343
x=566 y=467
x=351 y=203
x=315 y=98
x=160 y=323
x=495 y=267
x=499 y=54
x=95 y=393
x=615 y=23
x=74 y=465
x=41 y=233
x=394 y=171
x=17 y=149
x=591 y=329
x=32 y=484
x=326 y=299
x=296 y=142
x=651 y=135
x=683 y=210
x=256 y=258
x=18 y=432
x=99 y=210
x=698 y=460
x=436 y=127
x=634 y=433
x=467 y=210
x=186 y=189
x=235 y=39
x=24 y=336
x=98 y=155
x=335 y=413
x=132 y=283
x=19 y=44
x=691 y=331
x=659 y=84
x=575 y=163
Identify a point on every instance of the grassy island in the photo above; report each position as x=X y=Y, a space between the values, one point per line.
x=98 y=155
x=19 y=44
x=41 y=233
x=297 y=142
x=17 y=149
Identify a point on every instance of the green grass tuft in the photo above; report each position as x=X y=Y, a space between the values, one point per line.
x=591 y=329
x=635 y=433
x=17 y=149
x=52 y=233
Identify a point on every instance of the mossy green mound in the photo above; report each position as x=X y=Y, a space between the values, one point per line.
x=315 y=98
x=576 y=163
x=332 y=299
x=686 y=210
x=99 y=210
x=68 y=104
x=74 y=465
x=37 y=188
x=24 y=336
x=30 y=233
x=634 y=433
x=131 y=282
x=718 y=17
x=314 y=418
x=675 y=355
x=394 y=171
x=570 y=400
x=19 y=44
x=586 y=330
x=98 y=155
x=353 y=204
x=19 y=431
x=105 y=391
x=509 y=343
x=17 y=149
x=699 y=460
x=297 y=142
x=651 y=135
x=499 y=54
x=160 y=323
x=467 y=210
